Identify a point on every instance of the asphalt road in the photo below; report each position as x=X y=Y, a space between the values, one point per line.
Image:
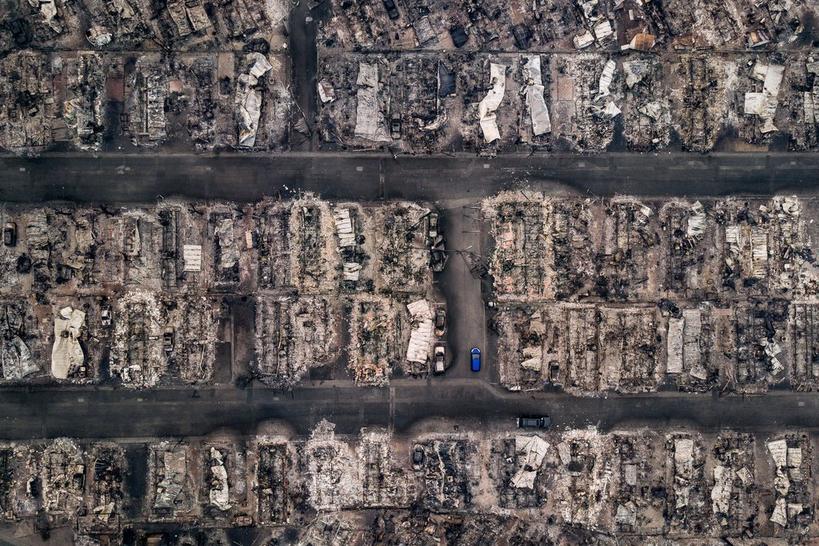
x=143 y=178
x=50 y=413
x=460 y=396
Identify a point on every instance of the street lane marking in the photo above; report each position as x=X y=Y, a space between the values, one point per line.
x=359 y=169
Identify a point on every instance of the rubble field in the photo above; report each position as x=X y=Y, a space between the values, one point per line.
x=565 y=25
x=90 y=100
x=673 y=485
x=588 y=101
x=630 y=296
x=144 y=297
x=131 y=74
x=437 y=77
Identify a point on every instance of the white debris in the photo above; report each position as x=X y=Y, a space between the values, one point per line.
x=219 y=492
x=66 y=353
x=755 y=103
x=794 y=457
x=602 y=30
x=351 y=271
x=630 y=474
x=531 y=451
x=626 y=514
x=369 y=120
x=780 y=516
x=344 y=227
x=745 y=476
x=721 y=493
x=98 y=36
x=809 y=107
x=611 y=110
x=683 y=465
x=228 y=249
x=696 y=222
x=533 y=448
x=759 y=252
x=582 y=41
x=794 y=509
x=249 y=99
x=653 y=110
x=635 y=71
x=532 y=358
x=421 y=334
x=491 y=102
x=535 y=102
x=779 y=453
x=764 y=104
x=326 y=91
x=331 y=470
x=606 y=77
x=674 y=344
x=48 y=9
x=192 y=257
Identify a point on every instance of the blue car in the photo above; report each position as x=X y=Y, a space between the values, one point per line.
x=475 y=354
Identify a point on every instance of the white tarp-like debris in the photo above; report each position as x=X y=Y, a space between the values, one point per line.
x=369 y=120
x=533 y=448
x=582 y=41
x=192 y=256
x=626 y=514
x=683 y=464
x=759 y=252
x=421 y=333
x=651 y=110
x=219 y=492
x=602 y=30
x=532 y=358
x=780 y=516
x=326 y=91
x=611 y=110
x=228 y=249
x=66 y=353
x=721 y=493
x=764 y=104
x=491 y=102
x=531 y=451
x=809 y=107
x=345 y=230
x=98 y=36
x=788 y=462
x=635 y=71
x=755 y=103
x=675 y=345
x=696 y=222
x=352 y=271
x=249 y=99
x=733 y=238
x=794 y=458
x=535 y=102
x=344 y=227
x=48 y=9
x=692 y=330
x=606 y=77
